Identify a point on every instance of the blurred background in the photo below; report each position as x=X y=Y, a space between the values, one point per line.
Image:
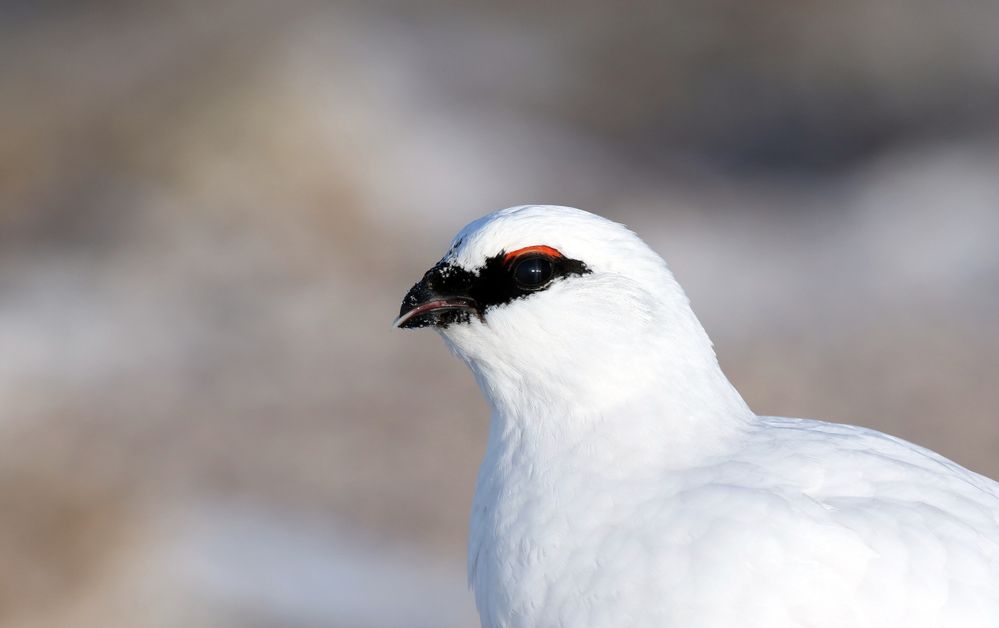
x=209 y=213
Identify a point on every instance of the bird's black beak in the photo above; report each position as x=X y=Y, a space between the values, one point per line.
x=440 y=299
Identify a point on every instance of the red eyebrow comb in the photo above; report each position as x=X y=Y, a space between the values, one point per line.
x=540 y=249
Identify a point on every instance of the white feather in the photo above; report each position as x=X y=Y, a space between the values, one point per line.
x=626 y=483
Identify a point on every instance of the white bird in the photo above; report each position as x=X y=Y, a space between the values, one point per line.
x=627 y=483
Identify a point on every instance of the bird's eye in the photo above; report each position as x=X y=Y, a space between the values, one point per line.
x=533 y=273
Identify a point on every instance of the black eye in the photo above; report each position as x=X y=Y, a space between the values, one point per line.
x=533 y=273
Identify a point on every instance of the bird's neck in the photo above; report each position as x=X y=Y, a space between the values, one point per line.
x=578 y=421
x=656 y=405
x=559 y=457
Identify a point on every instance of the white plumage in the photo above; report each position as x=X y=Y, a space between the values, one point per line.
x=626 y=483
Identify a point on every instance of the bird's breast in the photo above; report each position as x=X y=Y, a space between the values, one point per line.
x=543 y=549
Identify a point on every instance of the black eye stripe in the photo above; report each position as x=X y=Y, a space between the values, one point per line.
x=494 y=283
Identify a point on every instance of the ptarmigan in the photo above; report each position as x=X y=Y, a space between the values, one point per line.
x=626 y=482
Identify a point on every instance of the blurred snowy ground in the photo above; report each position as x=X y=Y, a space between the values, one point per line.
x=209 y=215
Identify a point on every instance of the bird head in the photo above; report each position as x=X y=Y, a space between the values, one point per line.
x=549 y=303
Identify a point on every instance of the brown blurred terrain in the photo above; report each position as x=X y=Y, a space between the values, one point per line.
x=210 y=212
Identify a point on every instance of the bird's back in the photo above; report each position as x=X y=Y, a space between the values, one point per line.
x=882 y=531
x=804 y=523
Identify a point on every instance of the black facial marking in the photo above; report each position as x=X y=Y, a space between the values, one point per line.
x=443 y=280
x=497 y=282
